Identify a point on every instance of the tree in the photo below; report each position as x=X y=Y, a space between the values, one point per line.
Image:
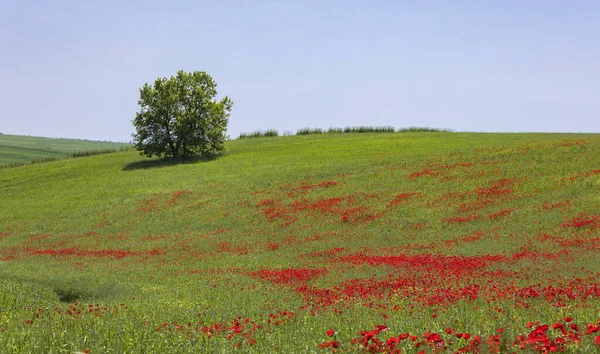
x=180 y=117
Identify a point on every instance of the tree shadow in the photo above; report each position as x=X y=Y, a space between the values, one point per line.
x=166 y=162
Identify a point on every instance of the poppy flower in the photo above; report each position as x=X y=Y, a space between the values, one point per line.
x=330 y=333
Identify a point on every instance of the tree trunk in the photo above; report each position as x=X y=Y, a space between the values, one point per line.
x=174 y=149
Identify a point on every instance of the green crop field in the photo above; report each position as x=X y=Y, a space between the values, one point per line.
x=389 y=242
x=18 y=149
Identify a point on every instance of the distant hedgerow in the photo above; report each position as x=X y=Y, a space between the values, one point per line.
x=307 y=131
x=368 y=129
x=259 y=134
x=336 y=130
x=97 y=152
x=424 y=130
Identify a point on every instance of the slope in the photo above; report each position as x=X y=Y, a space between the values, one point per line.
x=19 y=149
x=280 y=240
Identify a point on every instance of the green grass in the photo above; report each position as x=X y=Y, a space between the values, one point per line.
x=302 y=234
x=18 y=150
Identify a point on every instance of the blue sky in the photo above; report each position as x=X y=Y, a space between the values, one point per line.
x=74 y=68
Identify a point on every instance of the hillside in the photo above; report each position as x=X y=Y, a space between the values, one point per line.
x=19 y=149
x=446 y=241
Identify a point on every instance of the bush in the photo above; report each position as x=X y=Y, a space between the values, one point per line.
x=271 y=133
x=259 y=134
x=307 y=131
x=424 y=130
x=334 y=130
x=367 y=129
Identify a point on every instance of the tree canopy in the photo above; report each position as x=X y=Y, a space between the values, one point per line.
x=180 y=116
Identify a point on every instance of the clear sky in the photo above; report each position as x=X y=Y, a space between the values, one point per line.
x=74 y=68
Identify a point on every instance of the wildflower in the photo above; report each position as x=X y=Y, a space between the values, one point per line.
x=332 y=344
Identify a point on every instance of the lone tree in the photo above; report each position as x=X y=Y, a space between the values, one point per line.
x=179 y=117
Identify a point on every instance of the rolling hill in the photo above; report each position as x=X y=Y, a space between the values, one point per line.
x=19 y=149
x=442 y=242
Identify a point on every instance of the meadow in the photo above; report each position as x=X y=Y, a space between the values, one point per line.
x=18 y=150
x=375 y=242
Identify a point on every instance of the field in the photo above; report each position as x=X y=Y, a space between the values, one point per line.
x=389 y=242
x=19 y=150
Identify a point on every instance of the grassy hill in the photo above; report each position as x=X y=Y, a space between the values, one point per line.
x=412 y=241
x=19 y=149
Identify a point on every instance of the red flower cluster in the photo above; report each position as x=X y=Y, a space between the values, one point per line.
x=284 y=276
x=582 y=220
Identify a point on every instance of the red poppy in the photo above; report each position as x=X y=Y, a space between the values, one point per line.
x=330 y=333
